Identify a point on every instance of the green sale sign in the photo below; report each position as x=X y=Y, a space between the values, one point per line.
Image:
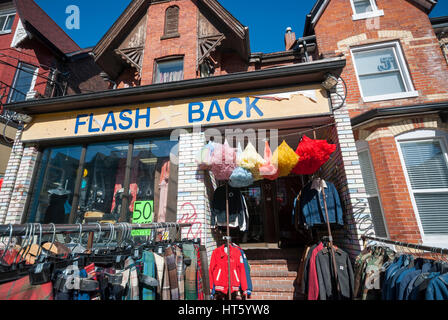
x=143 y=214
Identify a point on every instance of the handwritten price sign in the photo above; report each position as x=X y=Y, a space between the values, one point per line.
x=143 y=214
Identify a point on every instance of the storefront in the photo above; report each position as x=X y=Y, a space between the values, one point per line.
x=132 y=153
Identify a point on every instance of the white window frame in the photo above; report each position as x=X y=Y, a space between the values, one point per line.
x=418 y=136
x=7 y=14
x=404 y=71
x=363 y=146
x=33 y=82
x=366 y=15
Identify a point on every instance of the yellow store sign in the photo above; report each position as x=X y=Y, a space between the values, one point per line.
x=291 y=102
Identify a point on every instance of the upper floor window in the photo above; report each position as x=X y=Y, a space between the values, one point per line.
x=363 y=9
x=23 y=83
x=6 y=21
x=171 y=22
x=169 y=71
x=382 y=72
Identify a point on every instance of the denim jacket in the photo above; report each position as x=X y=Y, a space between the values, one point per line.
x=313 y=208
x=438 y=288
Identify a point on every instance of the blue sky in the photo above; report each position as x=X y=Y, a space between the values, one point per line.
x=267 y=20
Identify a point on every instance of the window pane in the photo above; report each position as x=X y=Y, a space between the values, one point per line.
x=368 y=174
x=2 y=22
x=170 y=71
x=375 y=61
x=102 y=184
x=433 y=212
x=55 y=183
x=362 y=6
x=377 y=217
x=154 y=178
x=9 y=23
x=23 y=82
x=380 y=84
x=426 y=165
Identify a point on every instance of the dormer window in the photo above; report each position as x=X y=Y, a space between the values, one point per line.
x=363 y=9
x=171 y=23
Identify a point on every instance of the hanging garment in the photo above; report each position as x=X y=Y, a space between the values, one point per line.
x=170 y=260
x=180 y=267
x=325 y=274
x=236 y=207
x=166 y=292
x=247 y=270
x=313 y=154
x=313 y=207
x=219 y=271
x=130 y=280
x=148 y=259
x=191 y=292
x=22 y=289
x=204 y=267
x=199 y=283
x=223 y=161
x=313 y=280
x=438 y=288
x=163 y=191
x=268 y=170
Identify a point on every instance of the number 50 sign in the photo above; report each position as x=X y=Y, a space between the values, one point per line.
x=143 y=214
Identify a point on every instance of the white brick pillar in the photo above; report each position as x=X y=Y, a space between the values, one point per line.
x=357 y=214
x=9 y=180
x=193 y=205
x=22 y=186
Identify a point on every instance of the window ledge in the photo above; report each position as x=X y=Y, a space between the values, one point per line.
x=367 y=15
x=392 y=96
x=170 y=36
x=5 y=32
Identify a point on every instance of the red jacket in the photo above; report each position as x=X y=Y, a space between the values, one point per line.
x=218 y=271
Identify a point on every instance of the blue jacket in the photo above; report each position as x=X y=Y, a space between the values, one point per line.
x=408 y=277
x=313 y=208
x=438 y=288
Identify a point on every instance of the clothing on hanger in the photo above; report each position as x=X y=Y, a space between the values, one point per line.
x=237 y=208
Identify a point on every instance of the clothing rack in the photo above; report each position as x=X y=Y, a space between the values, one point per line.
x=405 y=244
x=22 y=229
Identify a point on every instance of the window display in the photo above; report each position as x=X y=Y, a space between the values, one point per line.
x=101 y=196
x=55 y=184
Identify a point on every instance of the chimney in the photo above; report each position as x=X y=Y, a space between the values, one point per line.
x=290 y=39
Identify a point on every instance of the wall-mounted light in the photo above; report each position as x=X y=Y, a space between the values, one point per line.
x=330 y=82
x=20 y=117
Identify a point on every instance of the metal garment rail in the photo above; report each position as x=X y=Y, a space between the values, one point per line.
x=22 y=229
x=408 y=245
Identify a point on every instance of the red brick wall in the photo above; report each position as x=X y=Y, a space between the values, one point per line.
x=394 y=193
x=420 y=46
x=30 y=51
x=185 y=45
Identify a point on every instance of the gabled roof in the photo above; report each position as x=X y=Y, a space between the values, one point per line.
x=34 y=18
x=137 y=8
x=440 y=24
x=321 y=5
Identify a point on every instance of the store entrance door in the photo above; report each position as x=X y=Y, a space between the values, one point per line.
x=270 y=205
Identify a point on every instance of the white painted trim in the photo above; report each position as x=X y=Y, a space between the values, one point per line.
x=416 y=136
x=368 y=15
x=404 y=72
x=372 y=4
x=363 y=146
x=319 y=13
x=392 y=96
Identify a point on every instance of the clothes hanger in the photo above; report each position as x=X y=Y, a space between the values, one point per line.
x=6 y=249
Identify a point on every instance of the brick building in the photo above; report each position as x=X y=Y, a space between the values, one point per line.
x=175 y=65
x=37 y=60
x=398 y=108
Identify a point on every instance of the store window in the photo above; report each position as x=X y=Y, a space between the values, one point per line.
x=55 y=185
x=100 y=176
x=6 y=21
x=102 y=184
x=382 y=72
x=425 y=159
x=154 y=179
x=363 y=9
x=24 y=82
x=368 y=175
x=169 y=71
